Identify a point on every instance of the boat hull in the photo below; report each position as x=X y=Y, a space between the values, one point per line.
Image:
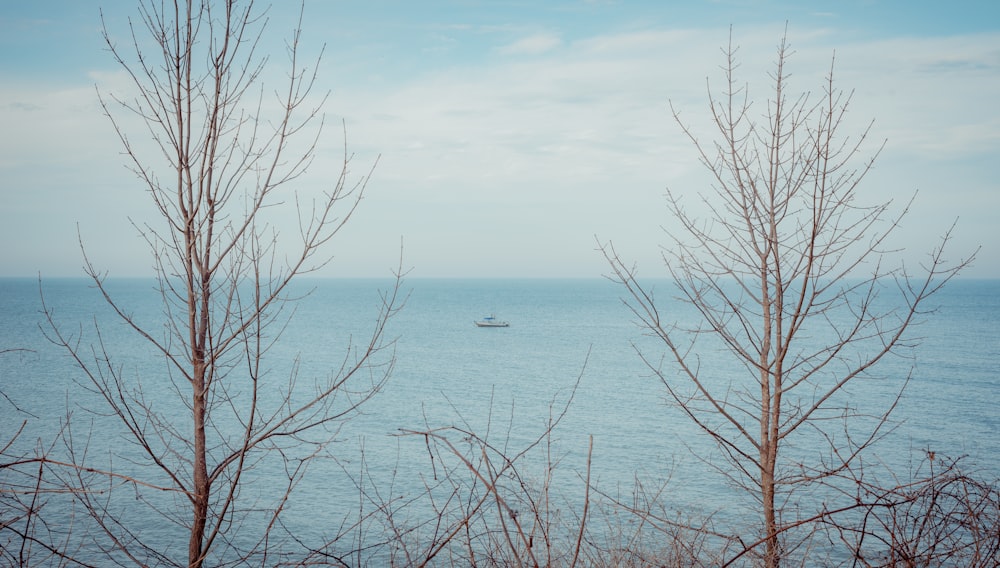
x=491 y=321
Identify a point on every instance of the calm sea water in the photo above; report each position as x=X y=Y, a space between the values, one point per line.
x=509 y=381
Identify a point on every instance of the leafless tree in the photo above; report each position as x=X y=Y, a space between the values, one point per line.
x=788 y=279
x=199 y=432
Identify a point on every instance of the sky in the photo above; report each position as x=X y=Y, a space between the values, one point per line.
x=511 y=136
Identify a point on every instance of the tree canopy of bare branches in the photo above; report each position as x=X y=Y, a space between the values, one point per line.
x=789 y=280
x=222 y=160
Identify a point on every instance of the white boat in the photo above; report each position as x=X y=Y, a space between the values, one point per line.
x=491 y=321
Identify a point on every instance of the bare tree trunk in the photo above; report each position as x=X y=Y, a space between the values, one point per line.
x=200 y=484
x=768 y=447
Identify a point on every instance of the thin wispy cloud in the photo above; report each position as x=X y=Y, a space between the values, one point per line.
x=532 y=45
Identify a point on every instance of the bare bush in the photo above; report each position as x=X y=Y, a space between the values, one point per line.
x=944 y=516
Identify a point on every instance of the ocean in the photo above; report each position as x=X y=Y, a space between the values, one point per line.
x=571 y=345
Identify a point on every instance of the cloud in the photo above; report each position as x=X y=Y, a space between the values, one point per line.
x=532 y=45
x=583 y=136
x=574 y=140
x=23 y=106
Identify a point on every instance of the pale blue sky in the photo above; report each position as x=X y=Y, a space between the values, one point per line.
x=511 y=132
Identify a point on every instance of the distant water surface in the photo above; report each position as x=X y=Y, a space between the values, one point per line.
x=509 y=381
